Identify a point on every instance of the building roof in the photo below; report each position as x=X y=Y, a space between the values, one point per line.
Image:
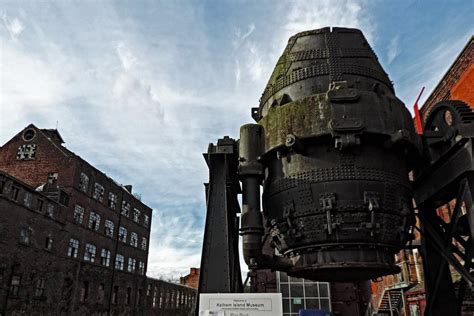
x=56 y=140
x=53 y=134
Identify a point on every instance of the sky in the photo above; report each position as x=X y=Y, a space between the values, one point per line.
x=139 y=88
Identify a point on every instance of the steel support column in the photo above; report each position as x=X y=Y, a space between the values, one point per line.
x=220 y=267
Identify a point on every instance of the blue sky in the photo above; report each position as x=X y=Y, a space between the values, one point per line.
x=139 y=88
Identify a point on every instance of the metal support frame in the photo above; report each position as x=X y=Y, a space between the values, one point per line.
x=447 y=245
x=440 y=248
x=220 y=267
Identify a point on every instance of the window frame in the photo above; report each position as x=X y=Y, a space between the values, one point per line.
x=73 y=247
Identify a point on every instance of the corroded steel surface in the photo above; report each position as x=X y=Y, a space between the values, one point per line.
x=337 y=197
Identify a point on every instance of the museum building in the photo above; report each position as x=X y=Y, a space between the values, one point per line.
x=72 y=240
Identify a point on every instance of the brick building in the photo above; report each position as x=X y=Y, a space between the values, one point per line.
x=457 y=83
x=192 y=279
x=404 y=293
x=72 y=240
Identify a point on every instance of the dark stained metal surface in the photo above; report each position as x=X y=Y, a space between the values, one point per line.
x=220 y=267
x=447 y=174
x=337 y=140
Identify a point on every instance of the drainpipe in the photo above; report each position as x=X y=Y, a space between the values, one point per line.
x=251 y=172
x=109 y=305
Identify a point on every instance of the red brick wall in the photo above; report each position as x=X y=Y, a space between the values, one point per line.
x=456 y=84
x=192 y=279
x=464 y=88
x=49 y=158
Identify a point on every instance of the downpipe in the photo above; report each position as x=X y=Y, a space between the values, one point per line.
x=251 y=173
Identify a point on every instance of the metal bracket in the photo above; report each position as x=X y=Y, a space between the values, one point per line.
x=327 y=201
x=371 y=200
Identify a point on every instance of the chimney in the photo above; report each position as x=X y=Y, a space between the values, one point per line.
x=128 y=187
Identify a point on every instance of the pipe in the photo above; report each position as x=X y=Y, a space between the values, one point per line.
x=251 y=175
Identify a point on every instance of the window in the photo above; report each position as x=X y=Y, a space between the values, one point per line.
x=109 y=228
x=48 y=243
x=144 y=242
x=125 y=208
x=50 y=210
x=105 y=257
x=78 y=214
x=98 y=192
x=139 y=297
x=26 y=152
x=15 y=192
x=131 y=264
x=119 y=260
x=122 y=234
x=84 y=291
x=39 y=205
x=29 y=134
x=52 y=177
x=112 y=200
x=83 y=182
x=94 y=221
x=141 y=268
x=136 y=215
x=15 y=285
x=73 y=248
x=155 y=294
x=302 y=294
x=129 y=294
x=27 y=199
x=148 y=290
x=115 y=295
x=39 y=287
x=25 y=234
x=134 y=239
x=146 y=220
x=101 y=293
x=89 y=254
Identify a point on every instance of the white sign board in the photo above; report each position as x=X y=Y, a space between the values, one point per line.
x=240 y=304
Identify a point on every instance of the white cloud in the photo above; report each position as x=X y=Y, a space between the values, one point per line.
x=240 y=38
x=394 y=49
x=136 y=96
x=126 y=56
x=14 y=27
x=305 y=16
x=237 y=71
x=255 y=65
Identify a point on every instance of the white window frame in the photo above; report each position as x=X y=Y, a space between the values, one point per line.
x=89 y=252
x=78 y=214
x=83 y=182
x=98 y=192
x=105 y=257
x=26 y=152
x=109 y=228
x=134 y=239
x=122 y=234
x=112 y=203
x=125 y=208
x=131 y=265
x=136 y=215
x=119 y=261
x=141 y=267
x=94 y=221
x=73 y=248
